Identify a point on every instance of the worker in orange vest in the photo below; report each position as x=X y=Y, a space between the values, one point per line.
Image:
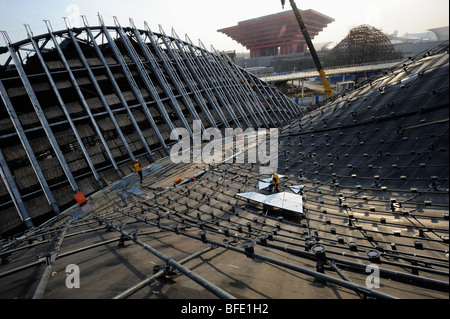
x=138 y=169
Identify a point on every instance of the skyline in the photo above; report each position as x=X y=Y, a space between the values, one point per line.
x=200 y=19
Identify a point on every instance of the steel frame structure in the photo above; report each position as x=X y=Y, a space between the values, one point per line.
x=117 y=91
x=394 y=125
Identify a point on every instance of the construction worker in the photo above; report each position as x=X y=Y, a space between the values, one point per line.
x=138 y=169
x=273 y=187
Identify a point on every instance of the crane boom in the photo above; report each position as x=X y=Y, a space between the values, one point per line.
x=312 y=50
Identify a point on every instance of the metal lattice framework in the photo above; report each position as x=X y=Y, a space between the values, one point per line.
x=363 y=44
x=371 y=166
x=78 y=105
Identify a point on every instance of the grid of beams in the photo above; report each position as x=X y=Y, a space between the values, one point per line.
x=79 y=105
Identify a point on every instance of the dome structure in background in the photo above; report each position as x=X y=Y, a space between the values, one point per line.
x=363 y=44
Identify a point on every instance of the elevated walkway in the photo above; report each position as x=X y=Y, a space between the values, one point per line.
x=330 y=72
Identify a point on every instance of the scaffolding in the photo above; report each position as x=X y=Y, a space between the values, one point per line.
x=363 y=44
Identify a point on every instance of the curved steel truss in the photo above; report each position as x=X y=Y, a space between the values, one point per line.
x=78 y=105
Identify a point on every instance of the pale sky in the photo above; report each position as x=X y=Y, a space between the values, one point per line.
x=200 y=19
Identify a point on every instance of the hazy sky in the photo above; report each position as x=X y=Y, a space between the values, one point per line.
x=200 y=19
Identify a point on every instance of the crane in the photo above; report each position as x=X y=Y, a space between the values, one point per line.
x=312 y=50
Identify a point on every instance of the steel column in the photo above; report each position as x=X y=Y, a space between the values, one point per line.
x=85 y=105
x=148 y=55
x=252 y=92
x=262 y=87
x=180 y=67
x=40 y=113
x=253 y=106
x=134 y=86
x=118 y=91
x=176 y=80
x=198 y=81
x=26 y=145
x=201 y=65
x=142 y=73
x=116 y=88
x=63 y=107
x=156 y=71
x=218 y=74
x=262 y=92
x=99 y=92
x=287 y=108
x=14 y=192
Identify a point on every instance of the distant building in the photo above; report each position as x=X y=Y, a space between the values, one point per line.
x=277 y=34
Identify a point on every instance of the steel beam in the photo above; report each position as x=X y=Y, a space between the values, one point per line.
x=201 y=66
x=39 y=292
x=219 y=76
x=196 y=278
x=14 y=192
x=181 y=68
x=63 y=107
x=121 y=97
x=84 y=103
x=200 y=82
x=159 y=274
x=40 y=113
x=161 y=78
x=134 y=86
x=26 y=145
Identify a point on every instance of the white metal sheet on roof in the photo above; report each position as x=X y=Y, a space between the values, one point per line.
x=296 y=188
x=284 y=200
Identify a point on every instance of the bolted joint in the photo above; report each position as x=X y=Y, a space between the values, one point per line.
x=249 y=248
x=134 y=234
x=122 y=240
x=319 y=252
x=263 y=240
x=47 y=255
x=309 y=243
x=374 y=255
x=203 y=236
